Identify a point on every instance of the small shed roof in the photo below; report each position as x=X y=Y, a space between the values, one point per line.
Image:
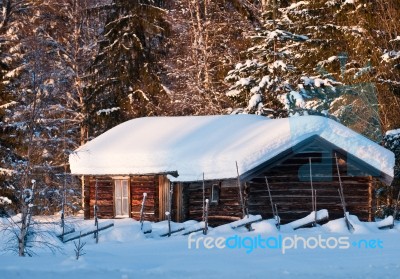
x=193 y=145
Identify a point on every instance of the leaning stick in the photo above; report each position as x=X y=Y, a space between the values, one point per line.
x=240 y=191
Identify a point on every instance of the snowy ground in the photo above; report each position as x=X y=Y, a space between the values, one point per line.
x=124 y=252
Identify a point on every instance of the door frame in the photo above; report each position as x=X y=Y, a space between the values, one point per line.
x=127 y=179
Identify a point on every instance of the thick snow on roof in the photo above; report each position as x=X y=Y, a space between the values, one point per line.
x=192 y=145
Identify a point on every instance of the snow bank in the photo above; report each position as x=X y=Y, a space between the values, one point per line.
x=321 y=215
x=192 y=145
x=387 y=222
x=244 y=221
x=124 y=252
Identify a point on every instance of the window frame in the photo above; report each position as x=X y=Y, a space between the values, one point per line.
x=215 y=193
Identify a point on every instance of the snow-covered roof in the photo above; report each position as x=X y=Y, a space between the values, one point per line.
x=192 y=145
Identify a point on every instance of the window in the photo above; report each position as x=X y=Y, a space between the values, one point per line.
x=121 y=197
x=215 y=191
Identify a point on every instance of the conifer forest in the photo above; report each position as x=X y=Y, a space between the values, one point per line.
x=72 y=69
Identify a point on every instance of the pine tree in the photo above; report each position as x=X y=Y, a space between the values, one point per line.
x=36 y=118
x=311 y=58
x=123 y=80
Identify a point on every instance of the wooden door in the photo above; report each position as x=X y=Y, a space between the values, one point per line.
x=163 y=202
x=121 y=198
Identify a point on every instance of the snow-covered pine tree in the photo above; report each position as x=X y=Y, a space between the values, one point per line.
x=11 y=56
x=309 y=57
x=386 y=195
x=36 y=87
x=392 y=142
x=123 y=81
x=265 y=82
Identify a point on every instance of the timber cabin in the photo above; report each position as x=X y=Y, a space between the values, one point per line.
x=151 y=154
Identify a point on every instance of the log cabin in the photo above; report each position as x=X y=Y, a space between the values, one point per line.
x=173 y=159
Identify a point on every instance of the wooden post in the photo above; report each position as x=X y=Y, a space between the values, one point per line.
x=171 y=193
x=83 y=192
x=168 y=213
x=97 y=233
x=96 y=221
x=370 y=199
x=341 y=194
x=206 y=219
x=278 y=219
x=270 y=197
x=315 y=208
x=169 y=222
x=274 y=207
x=142 y=211
x=240 y=191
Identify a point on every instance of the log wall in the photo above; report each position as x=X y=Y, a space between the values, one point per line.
x=227 y=209
x=291 y=188
x=105 y=196
x=138 y=186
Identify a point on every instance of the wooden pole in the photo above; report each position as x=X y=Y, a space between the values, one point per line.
x=274 y=207
x=96 y=222
x=240 y=191
x=206 y=218
x=168 y=213
x=341 y=194
x=169 y=222
x=270 y=197
x=142 y=211
x=278 y=220
x=315 y=207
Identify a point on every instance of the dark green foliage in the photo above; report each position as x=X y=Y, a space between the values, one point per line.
x=123 y=80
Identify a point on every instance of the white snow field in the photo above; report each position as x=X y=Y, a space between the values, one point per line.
x=124 y=252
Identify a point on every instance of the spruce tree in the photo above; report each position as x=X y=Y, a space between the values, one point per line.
x=123 y=81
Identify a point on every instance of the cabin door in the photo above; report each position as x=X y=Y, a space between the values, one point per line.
x=163 y=195
x=121 y=193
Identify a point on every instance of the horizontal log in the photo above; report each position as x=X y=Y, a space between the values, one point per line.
x=102 y=202
x=146 y=210
x=307 y=192
x=306 y=185
x=86 y=233
x=225 y=213
x=142 y=187
x=139 y=203
x=290 y=178
x=223 y=217
x=293 y=198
